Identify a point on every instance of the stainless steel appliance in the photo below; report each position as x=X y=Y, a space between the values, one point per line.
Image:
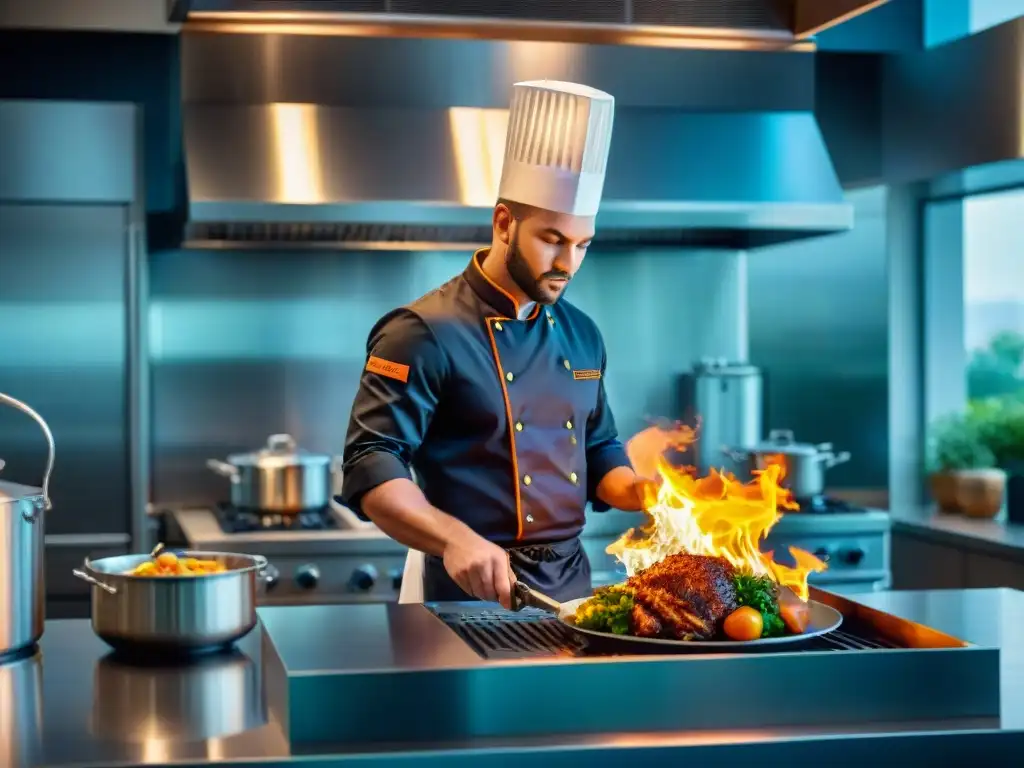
x=726 y=401
x=685 y=166
x=72 y=303
x=804 y=464
x=281 y=478
x=173 y=615
x=839 y=680
x=22 y=581
x=320 y=556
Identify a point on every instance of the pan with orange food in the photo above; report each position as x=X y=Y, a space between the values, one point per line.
x=174 y=603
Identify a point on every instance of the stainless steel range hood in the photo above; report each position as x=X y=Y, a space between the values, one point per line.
x=335 y=141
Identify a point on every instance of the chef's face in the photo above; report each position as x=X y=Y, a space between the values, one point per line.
x=544 y=248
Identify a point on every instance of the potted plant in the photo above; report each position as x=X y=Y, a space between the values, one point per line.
x=964 y=477
x=1002 y=428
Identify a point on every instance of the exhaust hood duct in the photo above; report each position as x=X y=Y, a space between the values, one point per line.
x=967 y=98
x=324 y=141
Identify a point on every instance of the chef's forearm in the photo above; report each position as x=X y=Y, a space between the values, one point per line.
x=618 y=489
x=399 y=508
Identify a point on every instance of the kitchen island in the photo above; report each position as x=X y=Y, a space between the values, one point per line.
x=74 y=704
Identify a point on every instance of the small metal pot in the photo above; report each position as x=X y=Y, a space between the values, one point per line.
x=805 y=463
x=22 y=586
x=174 y=614
x=280 y=478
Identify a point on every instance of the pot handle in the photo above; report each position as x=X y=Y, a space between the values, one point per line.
x=839 y=458
x=736 y=454
x=223 y=469
x=32 y=514
x=95 y=582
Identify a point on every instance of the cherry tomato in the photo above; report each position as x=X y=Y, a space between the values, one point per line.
x=743 y=624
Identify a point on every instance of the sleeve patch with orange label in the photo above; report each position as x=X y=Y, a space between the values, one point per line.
x=586 y=375
x=383 y=367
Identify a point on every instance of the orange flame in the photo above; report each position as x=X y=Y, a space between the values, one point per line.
x=715 y=515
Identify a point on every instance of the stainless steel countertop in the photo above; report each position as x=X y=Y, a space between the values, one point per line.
x=994 y=536
x=76 y=726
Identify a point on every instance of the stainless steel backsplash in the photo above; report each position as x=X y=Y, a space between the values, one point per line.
x=819 y=325
x=247 y=344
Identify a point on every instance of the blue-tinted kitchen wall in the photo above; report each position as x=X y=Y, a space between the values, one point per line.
x=819 y=320
x=101 y=66
x=247 y=344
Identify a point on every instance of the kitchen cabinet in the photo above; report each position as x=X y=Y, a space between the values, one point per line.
x=984 y=570
x=919 y=562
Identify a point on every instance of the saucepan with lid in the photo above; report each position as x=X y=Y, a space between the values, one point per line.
x=280 y=478
x=22 y=599
x=805 y=464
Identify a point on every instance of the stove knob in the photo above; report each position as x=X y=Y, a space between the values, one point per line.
x=822 y=554
x=852 y=556
x=271 y=576
x=395 y=574
x=307 y=576
x=363 y=578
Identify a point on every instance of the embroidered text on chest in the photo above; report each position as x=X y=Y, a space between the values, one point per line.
x=587 y=374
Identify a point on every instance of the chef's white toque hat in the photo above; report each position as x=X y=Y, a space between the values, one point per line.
x=556 y=150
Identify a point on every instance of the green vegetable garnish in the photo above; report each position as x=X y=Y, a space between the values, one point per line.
x=761 y=594
x=607 y=611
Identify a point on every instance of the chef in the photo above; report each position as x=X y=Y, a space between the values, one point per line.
x=492 y=386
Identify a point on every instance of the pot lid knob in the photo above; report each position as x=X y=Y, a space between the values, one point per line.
x=281 y=444
x=781 y=436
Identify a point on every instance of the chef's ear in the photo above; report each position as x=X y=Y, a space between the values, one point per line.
x=501 y=222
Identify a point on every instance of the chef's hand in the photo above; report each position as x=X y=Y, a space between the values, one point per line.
x=481 y=568
x=646 y=491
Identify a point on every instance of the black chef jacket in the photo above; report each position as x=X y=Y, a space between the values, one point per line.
x=505 y=421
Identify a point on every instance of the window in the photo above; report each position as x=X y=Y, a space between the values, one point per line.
x=993 y=291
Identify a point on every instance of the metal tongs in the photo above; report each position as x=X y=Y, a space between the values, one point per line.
x=524 y=597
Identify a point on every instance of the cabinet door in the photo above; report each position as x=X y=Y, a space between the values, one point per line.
x=63 y=350
x=991 y=571
x=920 y=564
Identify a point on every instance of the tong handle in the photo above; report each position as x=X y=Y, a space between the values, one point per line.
x=524 y=597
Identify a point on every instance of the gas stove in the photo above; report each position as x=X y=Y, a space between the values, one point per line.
x=826 y=505
x=316 y=557
x=235 y=520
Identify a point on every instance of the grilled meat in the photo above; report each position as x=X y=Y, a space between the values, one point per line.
x=687 y=595
x=643 y=622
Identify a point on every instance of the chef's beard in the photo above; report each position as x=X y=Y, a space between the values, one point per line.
x=519 y=270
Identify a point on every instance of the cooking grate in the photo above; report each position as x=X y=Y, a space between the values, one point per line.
x=496 y=634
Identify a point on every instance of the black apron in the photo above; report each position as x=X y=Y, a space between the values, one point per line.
x=560 y=570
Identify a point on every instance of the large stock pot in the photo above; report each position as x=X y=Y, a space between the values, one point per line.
x=22 y=587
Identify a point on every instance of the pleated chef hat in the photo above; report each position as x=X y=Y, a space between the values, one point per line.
x=556 y=149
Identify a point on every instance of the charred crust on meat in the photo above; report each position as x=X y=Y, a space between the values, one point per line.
x=684 y=597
